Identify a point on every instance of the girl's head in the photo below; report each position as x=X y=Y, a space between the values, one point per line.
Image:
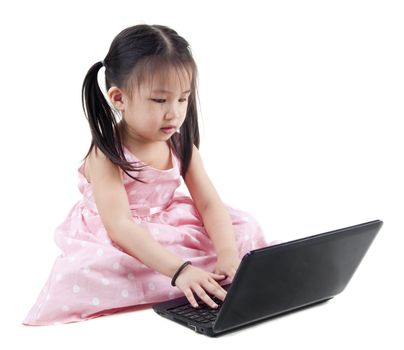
x=142 y=60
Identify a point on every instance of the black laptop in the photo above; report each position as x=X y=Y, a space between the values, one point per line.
x=277 y=279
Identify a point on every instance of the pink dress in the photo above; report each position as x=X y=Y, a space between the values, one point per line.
x=94 y=277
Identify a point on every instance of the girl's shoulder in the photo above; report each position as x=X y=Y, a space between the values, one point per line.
x=96 y=162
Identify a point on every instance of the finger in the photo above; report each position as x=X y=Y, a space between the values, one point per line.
x=204 y=296
x=217 y=285
x=190 y=296
x=214 y=288
x=217 y=276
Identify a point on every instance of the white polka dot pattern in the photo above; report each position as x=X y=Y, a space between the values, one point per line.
x=94 y=276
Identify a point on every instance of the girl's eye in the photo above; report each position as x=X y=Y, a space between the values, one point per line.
x=159 y=100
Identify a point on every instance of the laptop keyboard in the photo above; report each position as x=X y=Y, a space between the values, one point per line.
x=202 y=314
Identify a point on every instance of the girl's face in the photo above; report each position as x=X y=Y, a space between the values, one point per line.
x=157 y=104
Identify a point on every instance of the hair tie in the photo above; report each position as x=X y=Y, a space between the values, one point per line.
x=178 y=272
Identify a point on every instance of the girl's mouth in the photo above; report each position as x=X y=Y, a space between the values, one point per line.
x=167 y=130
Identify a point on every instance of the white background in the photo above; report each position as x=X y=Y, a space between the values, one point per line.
x=300 y=117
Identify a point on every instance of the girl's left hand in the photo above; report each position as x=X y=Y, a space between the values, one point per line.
x=227 y=263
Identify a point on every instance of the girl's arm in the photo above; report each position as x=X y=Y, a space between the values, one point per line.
x=215 y=217
x=113 y=207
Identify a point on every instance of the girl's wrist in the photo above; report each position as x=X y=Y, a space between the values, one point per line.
x=177 y=273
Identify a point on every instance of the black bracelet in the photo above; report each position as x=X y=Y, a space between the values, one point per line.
x=178 y=272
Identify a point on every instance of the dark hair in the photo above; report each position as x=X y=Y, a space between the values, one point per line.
x=135 y=52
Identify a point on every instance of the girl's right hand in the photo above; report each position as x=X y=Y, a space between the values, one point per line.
x=200 y=280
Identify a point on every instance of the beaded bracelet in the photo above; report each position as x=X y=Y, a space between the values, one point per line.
x=178 y=272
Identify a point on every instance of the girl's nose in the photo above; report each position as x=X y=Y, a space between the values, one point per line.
x=172 y=113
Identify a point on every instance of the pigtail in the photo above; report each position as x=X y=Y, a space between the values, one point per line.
x=102 y=122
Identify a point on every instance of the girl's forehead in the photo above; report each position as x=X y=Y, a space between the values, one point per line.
x=169 y=80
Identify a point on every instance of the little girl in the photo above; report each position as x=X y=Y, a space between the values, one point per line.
x=132 y=239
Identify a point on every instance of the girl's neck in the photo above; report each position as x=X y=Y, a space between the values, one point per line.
x=134 y=145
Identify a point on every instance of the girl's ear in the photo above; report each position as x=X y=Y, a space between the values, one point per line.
x=117 y=98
